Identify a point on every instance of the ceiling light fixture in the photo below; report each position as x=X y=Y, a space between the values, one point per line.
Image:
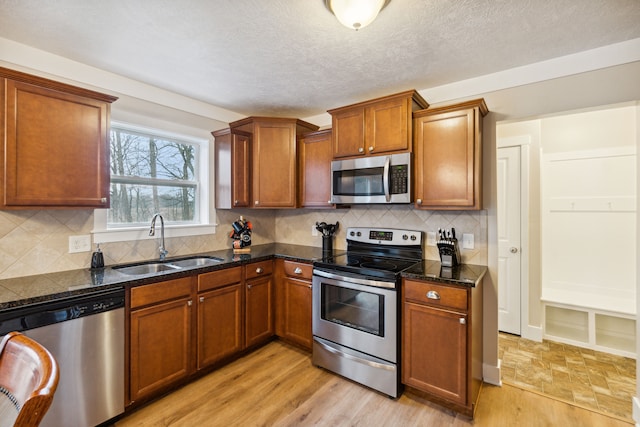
x=356 y=14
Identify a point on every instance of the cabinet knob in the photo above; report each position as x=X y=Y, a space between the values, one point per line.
x=309 y=286
x=433 y=295
x=463 y=321
x=371 y=149
x=103 y=200
x=298 y=270
x=513 y=250
x=360 y=150
x=419 y=201
x=235 y=202
x=201 y=299
x=257 y=202
x=259 y=270
x=248 y=286
x=190 y=303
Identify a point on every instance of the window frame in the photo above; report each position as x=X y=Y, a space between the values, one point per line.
x=205 y=214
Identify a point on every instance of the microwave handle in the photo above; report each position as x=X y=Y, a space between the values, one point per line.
x=385 y=179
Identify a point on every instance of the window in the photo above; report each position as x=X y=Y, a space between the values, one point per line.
x=154 y=172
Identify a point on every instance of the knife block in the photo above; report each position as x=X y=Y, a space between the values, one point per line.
x=449 y=253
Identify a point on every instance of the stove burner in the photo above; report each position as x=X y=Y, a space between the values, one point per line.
x=380 y=265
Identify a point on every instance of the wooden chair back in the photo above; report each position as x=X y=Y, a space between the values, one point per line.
x=28 y=379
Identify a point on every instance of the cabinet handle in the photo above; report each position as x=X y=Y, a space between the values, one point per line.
x=463 y=321
x=433 y=295
x=190 y=303
x=419 y=201
x=298 y=270
x=259 y=270
x=371 y=149
x=201 y=299
x=360 y=150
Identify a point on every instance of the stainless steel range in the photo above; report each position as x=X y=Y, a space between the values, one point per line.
x=356 y=313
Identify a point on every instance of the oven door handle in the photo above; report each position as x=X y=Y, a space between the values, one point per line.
x=385 y=179
x=354 y=358
x=356 y=280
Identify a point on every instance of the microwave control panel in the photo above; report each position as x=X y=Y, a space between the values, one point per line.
x=399 y=179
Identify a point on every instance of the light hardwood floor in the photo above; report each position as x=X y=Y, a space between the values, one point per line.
x=278 y=386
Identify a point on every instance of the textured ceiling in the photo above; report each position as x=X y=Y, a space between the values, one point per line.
x=293 y=58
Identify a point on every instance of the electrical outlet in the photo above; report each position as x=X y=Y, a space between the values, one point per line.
x=467 y=241
x=431 y=238
x=79 y=243
x=314 y=230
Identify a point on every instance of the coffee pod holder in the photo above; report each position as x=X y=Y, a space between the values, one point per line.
x=449 y=248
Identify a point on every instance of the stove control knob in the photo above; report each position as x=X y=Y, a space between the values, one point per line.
x=413 y=237
x=352 y=234
x=359 y=233
x=405 y=237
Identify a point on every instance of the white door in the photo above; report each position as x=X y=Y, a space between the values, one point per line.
x=509 y=286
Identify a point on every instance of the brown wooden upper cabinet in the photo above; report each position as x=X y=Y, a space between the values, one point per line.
x=232 y=168
x=56 y=144
x=315 y=170
x=448 y=156
x=381 y=125
x=273 y=159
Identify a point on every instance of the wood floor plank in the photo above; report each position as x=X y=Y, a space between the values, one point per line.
x=277 y=385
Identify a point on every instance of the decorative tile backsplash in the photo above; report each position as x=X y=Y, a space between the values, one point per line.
x=37 y=242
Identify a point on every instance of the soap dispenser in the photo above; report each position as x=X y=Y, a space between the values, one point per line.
x=97 y=260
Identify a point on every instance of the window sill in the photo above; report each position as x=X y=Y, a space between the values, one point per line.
x=142 y=233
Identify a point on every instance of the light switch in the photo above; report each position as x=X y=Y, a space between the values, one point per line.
x=467 y=241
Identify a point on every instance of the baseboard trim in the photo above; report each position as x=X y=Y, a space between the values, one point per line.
x=635 y=410
x=533 y=333
x=491 y=374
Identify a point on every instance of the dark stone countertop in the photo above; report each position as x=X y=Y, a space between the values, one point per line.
x=27 y=290
x=465 y=274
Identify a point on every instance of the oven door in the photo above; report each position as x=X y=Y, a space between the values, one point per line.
x=354 y=315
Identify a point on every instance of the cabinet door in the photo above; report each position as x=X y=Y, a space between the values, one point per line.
x=56 y=148
x=240 y=170
x=315 y=170
x=219 y=324
x=434 y=351
x=260 y=325
x=274 y=165
x=448 y=161
x=348 y=132
x=297 y=311
x=387 y=126
x=160 y=348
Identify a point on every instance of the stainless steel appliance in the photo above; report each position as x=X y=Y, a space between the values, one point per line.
x=355 y=320
x=86 y=336
x=372 y=179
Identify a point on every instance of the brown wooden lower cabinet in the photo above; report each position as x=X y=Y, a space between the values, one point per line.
x=259 y=317
x=293 y=307
x=442 y=342
x=220 y=315
x=161 y=348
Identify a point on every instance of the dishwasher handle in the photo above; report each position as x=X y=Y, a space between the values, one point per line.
x=60 y=311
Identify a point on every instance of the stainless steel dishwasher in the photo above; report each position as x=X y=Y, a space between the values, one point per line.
x=86 y=336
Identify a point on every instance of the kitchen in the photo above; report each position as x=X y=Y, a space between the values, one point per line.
x=37 y=239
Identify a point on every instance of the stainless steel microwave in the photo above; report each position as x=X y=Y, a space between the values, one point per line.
x=372 y=179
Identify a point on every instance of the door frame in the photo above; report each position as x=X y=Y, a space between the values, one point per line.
x=532 y=332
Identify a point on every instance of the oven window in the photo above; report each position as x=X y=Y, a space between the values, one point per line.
x=359 y=182
x=359 y=310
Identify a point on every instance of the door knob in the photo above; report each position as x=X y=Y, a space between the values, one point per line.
x=513 y=250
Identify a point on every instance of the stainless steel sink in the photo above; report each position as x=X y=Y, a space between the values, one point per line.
x=150 y=268
x=196 y=262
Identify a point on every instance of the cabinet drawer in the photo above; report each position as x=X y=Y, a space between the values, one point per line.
x=435 y=295
x=259 y=269
x=298 y=270
x=161 y=291
x=220 y=278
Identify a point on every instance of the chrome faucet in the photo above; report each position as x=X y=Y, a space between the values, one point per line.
x=152 y=232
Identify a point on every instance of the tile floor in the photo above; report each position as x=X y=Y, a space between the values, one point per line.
x=588 y=378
